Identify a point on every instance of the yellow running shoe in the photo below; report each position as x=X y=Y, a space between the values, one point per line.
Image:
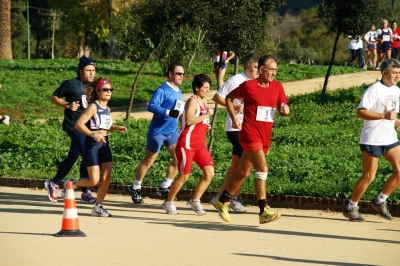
x=268 y=215
x=223 y=210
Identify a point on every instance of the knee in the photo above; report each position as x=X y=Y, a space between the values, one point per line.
x=183 y=178
x=146 y=163
x=93 y=182
x=368 y=178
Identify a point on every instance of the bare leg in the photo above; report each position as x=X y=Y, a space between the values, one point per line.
x=370 y=165
x=145 y=165
x=172 y=168
x=176 y=186
x=229 y=175
x=240 y=175
x=257 y=158
x=393 y=156
x=204 y=182
x=93 y=180
x=106 y=169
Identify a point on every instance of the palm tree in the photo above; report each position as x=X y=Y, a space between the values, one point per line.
x=5 y=29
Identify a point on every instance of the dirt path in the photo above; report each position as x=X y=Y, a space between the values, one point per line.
x=145 y=235
x=291 y=88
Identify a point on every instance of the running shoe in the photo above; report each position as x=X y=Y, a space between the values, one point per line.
x=268 y=215
x=100 y=212
x=64 y=190
x=136 y=195
x=236 y=206
x=6 y=120
x=212 y=201
x=87 y=197
x=196 y=206
x=353 y=214
x=52 y=190
x=169 y=207
x=382 y=209
x=163 y=191
x=223 y=210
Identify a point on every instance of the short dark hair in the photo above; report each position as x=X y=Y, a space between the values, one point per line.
x=263 y=59
x=171 y=67
x=250 y=59
x=199 y=80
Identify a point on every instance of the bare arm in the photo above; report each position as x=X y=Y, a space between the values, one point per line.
x=191 y=107
x=231 y=110
x=218 y=99
x=61 y=102
x=365 y=114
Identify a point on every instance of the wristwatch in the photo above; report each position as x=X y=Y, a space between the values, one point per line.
x=92 y=135
x=66 y=106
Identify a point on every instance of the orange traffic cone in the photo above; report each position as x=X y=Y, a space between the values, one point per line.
x=70 y=222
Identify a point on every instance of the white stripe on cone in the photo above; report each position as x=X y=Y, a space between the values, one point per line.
x=70 y=213
x=70 y=194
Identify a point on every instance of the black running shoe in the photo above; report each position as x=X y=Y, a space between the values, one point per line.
x=163 y=191
x=136 y=195
x=352 y=214
x=382 y=209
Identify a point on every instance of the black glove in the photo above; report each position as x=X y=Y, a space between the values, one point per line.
x=174 y=113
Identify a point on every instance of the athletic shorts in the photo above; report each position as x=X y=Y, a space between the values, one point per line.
x=96 y=153
x=217 y=66
x=384 y=47
x=233 y=137
x=186 y=157
x=154 y=143
x=254 y=146
x=370 y=47
x=377 y=151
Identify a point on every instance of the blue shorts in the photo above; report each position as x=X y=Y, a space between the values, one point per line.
x=154 y=143
x=377 y=151
x=233 y=137
x=96 y=153
x=385 y=46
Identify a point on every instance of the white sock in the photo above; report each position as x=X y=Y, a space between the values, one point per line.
x=381 y=198
x=98 y=205
x=352 y=204
x=137 y=184
x=166 y=183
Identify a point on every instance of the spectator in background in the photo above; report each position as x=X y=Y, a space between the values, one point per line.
x=5 y=119
x=395 y=41
x=221 y=65
x=312 y=63
x=384 y=38
x=370 y=46
x=355 y=48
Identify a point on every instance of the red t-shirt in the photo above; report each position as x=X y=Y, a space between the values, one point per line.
x=193 y=137
x=396 y=38
x=260 y=104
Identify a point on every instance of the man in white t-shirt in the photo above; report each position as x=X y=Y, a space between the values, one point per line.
x=250 y=72
x=378 y=107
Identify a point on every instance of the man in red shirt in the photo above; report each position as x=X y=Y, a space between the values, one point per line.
x=396 y=41
x=262 y=97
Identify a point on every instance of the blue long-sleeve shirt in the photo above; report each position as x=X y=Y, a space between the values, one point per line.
x=163 y=99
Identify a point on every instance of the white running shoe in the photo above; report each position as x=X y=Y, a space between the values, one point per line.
x=6 y=120
x=236 y=206
x=196 y=206
x=169 y=207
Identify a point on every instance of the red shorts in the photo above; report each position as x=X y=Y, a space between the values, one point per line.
x=186 y=157
x=254 y=146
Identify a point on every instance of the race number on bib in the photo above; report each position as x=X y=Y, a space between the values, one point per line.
x=179 y=105
x=265 y=114
x=106 y=121
x=386 y=38
x=84 y=102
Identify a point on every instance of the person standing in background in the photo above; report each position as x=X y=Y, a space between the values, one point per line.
x=395 y=41
x=221 y=65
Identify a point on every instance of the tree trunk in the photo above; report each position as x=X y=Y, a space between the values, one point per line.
x=5 y=29
x=210 y=144
x=128 y=111
x=323 y=94
x=236 y=64
x=200 y=38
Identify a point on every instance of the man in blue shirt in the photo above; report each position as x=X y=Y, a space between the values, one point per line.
x=166 y=105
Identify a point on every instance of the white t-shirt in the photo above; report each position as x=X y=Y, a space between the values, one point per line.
x=355 y=44
x=379 y=98
x=231 y=84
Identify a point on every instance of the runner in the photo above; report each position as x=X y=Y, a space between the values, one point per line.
x=370 y=46
x=255 y=134
x=250 y=72
x=384 y=38
x=95 y=123
x=378 y=108
x=191 y=146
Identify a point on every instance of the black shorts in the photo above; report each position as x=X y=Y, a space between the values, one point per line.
x=376 y=150
x=96 y=153
x=233 y=137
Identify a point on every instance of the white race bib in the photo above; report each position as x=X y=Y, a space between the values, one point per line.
x=84 y=102
x=179 y=105
x=105 y=122
x=265 y=114
x=386 y=38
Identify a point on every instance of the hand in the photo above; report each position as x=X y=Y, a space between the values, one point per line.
x=99 y=138
x=239 y=108
x=397 y=124
x=237 y=124
x=208 y=126
x=74 y=106
x=210 y=112
x=284 y=109
x=390 y=115
x=121 y=129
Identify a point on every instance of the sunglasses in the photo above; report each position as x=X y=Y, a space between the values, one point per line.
x=107 y=89
x=180 y=73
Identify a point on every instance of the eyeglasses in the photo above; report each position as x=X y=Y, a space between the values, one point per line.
x=180 y=73
x=107 y=89
x=270 y=70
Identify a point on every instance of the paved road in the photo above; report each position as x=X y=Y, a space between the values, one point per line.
x=145 y=235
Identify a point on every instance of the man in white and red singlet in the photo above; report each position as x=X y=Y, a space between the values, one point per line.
x=255 y=133
x=384 y=38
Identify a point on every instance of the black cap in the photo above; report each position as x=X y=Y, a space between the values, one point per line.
x=84 y=61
